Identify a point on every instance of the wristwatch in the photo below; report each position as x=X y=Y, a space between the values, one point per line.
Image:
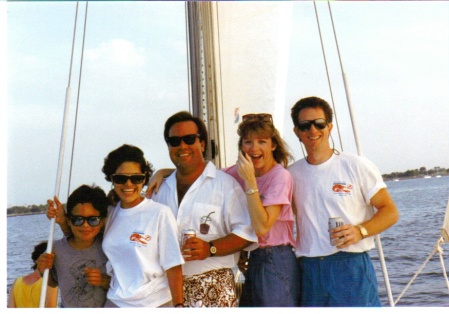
x=251 y=191
x=363 y=231
x=212 y=249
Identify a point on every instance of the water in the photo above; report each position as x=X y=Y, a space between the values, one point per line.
x=24 y=232
x=421 y=203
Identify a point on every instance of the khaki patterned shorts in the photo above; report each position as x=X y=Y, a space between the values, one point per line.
x=215 y=288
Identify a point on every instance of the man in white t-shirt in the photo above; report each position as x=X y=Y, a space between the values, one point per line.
x=213 y=204
x=332 y=184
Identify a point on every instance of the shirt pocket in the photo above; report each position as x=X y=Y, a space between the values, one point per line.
x=207 y=220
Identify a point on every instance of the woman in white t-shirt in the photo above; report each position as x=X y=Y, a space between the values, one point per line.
x=141 y=238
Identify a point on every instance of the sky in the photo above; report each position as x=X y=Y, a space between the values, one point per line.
x=134 y=75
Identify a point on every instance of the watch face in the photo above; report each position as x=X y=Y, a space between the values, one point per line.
x=213 y=250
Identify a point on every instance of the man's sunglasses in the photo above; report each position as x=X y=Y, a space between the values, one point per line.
x=123 y=178
x=264 y=117
x=305 y=125
x=175 y=141
x=93 y=221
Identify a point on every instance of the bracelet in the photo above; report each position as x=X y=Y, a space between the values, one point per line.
x=179 y=304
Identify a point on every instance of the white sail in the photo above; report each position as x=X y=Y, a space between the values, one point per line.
x=233 y=82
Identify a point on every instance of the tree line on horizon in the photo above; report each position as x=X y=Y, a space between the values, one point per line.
x=417 y=173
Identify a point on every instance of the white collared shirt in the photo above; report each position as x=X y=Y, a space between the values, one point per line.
x=219 y=197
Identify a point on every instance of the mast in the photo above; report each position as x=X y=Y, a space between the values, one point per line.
x=62 y=149
x=60 y=165
x=225 y=83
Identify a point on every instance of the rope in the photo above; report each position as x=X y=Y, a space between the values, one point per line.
x=77 y=100
x=327 y=74
x=437 y=248
x=440 y=251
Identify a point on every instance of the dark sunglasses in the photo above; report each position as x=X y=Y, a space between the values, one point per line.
x=93 y=221
x=123 y=178
x=265 y=117
x=305 y=125
x=175 y=141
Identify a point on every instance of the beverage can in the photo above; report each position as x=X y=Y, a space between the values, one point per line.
x=334 y=222
x=186 y=234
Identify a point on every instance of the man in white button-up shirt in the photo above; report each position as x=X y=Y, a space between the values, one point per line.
x=213 y=204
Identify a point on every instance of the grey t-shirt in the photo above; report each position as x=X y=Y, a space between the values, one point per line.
x=68 y=269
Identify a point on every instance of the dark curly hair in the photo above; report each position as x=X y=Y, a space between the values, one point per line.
x=38 y=250
x=126 y=153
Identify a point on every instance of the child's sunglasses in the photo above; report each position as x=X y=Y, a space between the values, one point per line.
x=93 y=221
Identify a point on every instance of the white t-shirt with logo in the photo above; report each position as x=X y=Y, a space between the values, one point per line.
x=340 y=187
x=141 y=243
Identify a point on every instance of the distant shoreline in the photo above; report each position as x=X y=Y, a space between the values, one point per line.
x=24 y=214
x=411 y=178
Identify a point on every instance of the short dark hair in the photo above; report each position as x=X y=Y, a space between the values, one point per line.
x=311 y=102
x=39 y=249
x=89 y=194
x=126 y=153
x=183 y=116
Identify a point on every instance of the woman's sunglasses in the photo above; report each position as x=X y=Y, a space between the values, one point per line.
x=175 y=141
x=265 y=117
x=123 y=178
x=305 y=125
x=93 y=221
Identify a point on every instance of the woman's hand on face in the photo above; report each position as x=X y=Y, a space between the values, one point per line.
x=245 y=167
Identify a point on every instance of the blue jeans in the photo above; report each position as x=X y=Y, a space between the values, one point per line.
x=340 y=279
x=273 y=277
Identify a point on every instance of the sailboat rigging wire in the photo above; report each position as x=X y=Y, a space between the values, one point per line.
x=438 y=249
x=359 y=150
x=77 y=99
x=60 y=163
x=327 y=73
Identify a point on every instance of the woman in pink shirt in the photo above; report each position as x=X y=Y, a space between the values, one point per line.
x=272 y=278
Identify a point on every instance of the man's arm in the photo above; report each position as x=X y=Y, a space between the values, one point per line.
x=386 y=215
x=200 y=249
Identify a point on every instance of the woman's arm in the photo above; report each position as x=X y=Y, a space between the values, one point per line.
x=11 y=301
x=262 y=218
x=175 y=281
